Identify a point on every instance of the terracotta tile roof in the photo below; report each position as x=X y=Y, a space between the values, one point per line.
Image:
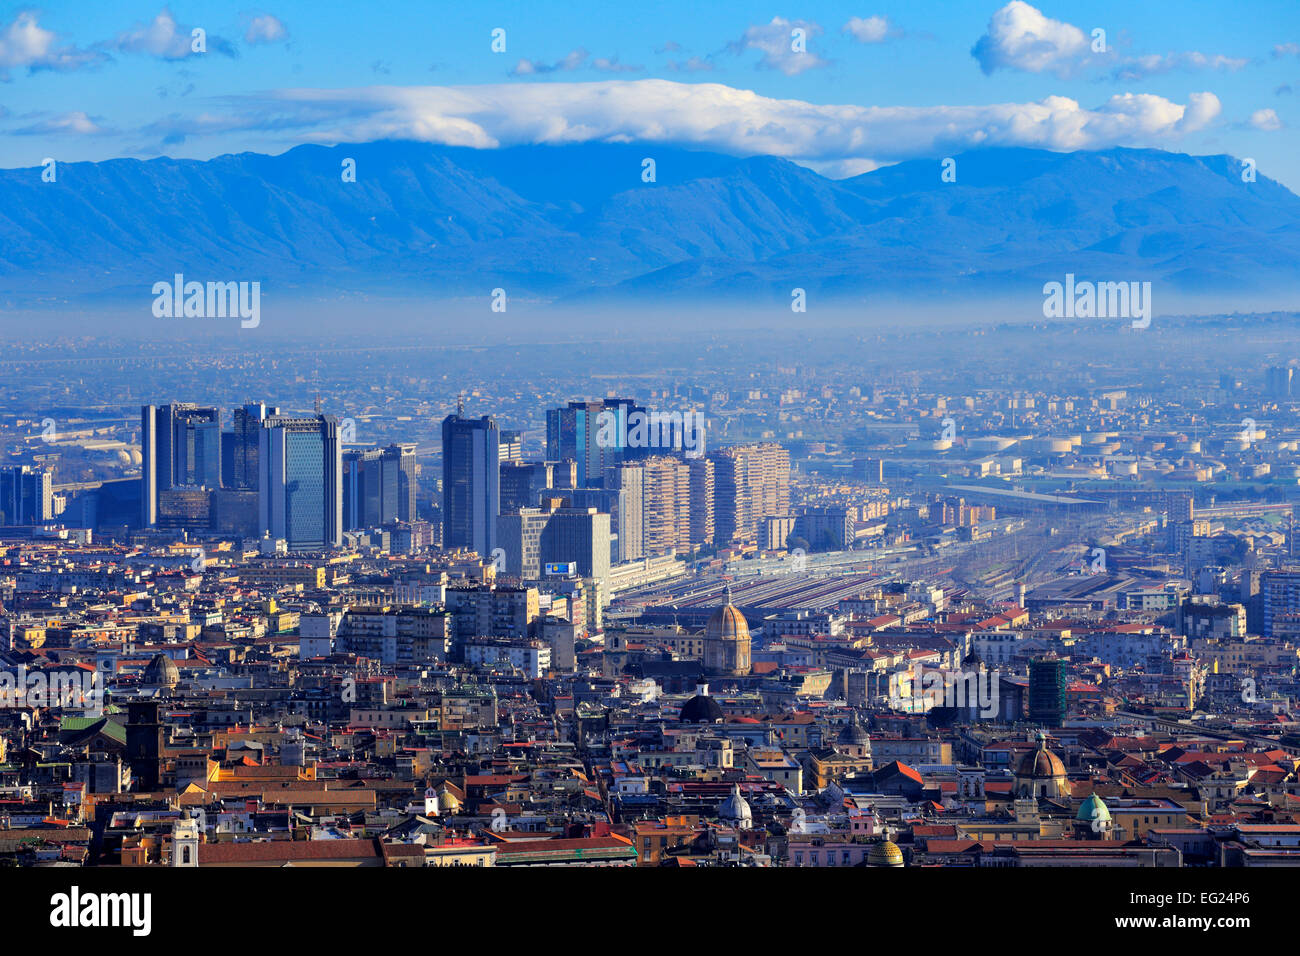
x=612 y=842
x=287 y=851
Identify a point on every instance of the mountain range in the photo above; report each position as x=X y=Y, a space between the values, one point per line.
x=577 y=222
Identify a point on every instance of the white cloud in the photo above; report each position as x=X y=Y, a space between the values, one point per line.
x=1140 y=67
x=779 y=45
x=573 y=61
x=265 y=29
x=868 y=30
x=712 y=116
x=1019 y=37
x=76 y=122
x=840 y=168
x=25 y=43
x=166 y=39
x=1286 y=49
x=611 y=64
x=1266 y=120
x=695 y=64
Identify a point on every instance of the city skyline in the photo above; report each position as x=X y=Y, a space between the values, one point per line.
x=585 y=440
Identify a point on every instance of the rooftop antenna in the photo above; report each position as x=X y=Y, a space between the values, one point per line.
x=318 y=403
x=460 y=406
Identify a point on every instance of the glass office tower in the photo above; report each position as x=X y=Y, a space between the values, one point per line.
x=471 y=498
x=300 y=485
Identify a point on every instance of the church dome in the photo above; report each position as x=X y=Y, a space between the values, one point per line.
x=852 y=734
x=735 y=809
x=1040 y=763
x=727 y=642
x=727 y=624
x=161 y=672
x=1041 y=773
x=447 y=802
x=701 y=709
x=1093 y=810
x=885 y=853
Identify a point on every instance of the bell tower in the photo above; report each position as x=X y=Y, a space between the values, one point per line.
x=144 y=744
x=185 y=841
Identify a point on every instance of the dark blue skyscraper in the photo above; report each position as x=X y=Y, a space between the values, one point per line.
x=378 y=486
x=247 y=429
x=471 y=498
x=25 y=495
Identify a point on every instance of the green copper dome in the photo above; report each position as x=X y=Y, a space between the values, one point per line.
x=1094 y=808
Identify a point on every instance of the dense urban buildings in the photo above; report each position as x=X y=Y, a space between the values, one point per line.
x=795 y=438
x=1074 y=641
x=1064 y=636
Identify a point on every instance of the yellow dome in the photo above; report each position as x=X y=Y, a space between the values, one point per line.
x=726 y=642
x=885 y=853
x=1041 y=763
x=727 y=624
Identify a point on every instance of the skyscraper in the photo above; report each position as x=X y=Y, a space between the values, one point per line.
x=196 y=446
x=180 y=445
x=378 y=486
x=401 y=458
x=1277 y=381
x=511 y=446
x=519 y=534
x=581 y=536
x=227 y=459
x=626 y=528
x=703 y=504
x=149 y=468
x=665 y=505
x=471 y=475
x=1280 y=599
x=26 y=497
x=751 y=482
x=523 y=482
x=611 y=501
x=247 y=431
x=300 y=481
x=575 y=432
x=367 y=492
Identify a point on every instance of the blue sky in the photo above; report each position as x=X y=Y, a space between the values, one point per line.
x=876 y=82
